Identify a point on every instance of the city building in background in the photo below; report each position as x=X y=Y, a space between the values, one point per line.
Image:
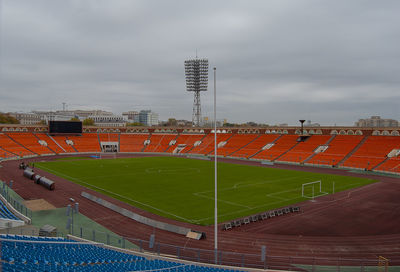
x=132 y=116
x=207 y=122
x=308 y=123
x=148 y=118
x=109 y=120
x=376 y=121
x=27 y=118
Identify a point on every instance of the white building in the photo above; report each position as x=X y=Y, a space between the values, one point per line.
x=26 y=118
x=54 y=115
x=132 y=116
x=148 y=118
x=108 y=120
x=376 y=121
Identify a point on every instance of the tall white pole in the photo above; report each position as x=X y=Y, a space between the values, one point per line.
x=215 y=170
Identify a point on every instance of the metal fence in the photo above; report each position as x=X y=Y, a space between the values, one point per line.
x=287 y=263
x=8 y=194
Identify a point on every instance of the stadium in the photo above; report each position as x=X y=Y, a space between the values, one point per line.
x=121 y=179
x=290 y=198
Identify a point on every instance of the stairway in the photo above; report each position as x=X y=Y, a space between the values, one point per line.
x=313 y=154
x=286 y=151
x=144 y=147
x=353 y=151
x=98 y=139
x=73 y=147
x=193 y=144
x=20 y=144
x=244 y=145
x=169 y=146
x=382 y=162
x=2 y=148
x=48 y=147
x=274 y=141
x=217 y=146
x=56 y=143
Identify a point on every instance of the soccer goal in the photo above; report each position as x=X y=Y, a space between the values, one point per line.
x=383 y=264
x=312 y=189
x=108 y=155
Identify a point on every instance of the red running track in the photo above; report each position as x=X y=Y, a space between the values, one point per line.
x=361 y=223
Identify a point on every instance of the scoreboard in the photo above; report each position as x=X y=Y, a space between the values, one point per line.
x=71 y=127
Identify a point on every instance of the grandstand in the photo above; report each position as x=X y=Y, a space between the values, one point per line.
x=368 y=150
x=32 y=253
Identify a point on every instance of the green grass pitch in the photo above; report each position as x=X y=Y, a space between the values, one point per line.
x=183 y=189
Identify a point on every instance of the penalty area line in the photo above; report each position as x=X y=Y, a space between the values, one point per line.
x=124 y=197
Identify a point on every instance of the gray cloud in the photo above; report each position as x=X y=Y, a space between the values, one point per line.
x=328 y=61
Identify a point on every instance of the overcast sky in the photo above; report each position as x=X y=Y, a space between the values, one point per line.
x=330 y=62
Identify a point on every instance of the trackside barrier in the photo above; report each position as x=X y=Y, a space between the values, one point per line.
x=137 y=217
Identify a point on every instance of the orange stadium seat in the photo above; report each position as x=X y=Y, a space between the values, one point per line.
x=391 y=165
x=207 y=145
x=236 y=142
x=51 y=144
x=108 y=137
x=30 y=142
x=159 y=142
x=282 y=145
x=373 y=151
x=255 y=146
x=11 y=146
x=132 y=142
x=355 y=151
x=305 y=149
x=5 y=154
x=205 y=141
x=338 y=148
x=61 y=141
x=87 y=142
x=184 y=143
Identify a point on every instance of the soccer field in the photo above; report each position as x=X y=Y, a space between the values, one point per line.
x=183 y=189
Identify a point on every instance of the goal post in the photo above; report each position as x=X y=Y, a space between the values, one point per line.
x=106 y=155
x=383 y=264
x=315 y=187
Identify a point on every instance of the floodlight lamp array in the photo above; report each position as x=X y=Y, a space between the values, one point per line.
x=196 y=72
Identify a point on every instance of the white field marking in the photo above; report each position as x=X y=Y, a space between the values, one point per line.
x=111 y=176
x=174 y=170
x=273 y=195
x=222 y=201
x=124 y=197
x=277 y=202
x=242 y=210
x=323 y=193
x=236 y=184
x=247 y=185
x=200 y=194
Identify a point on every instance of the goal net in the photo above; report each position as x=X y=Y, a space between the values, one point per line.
x=107 y=155
x=312 y=189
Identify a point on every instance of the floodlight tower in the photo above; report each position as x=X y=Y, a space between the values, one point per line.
x=196 y=72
